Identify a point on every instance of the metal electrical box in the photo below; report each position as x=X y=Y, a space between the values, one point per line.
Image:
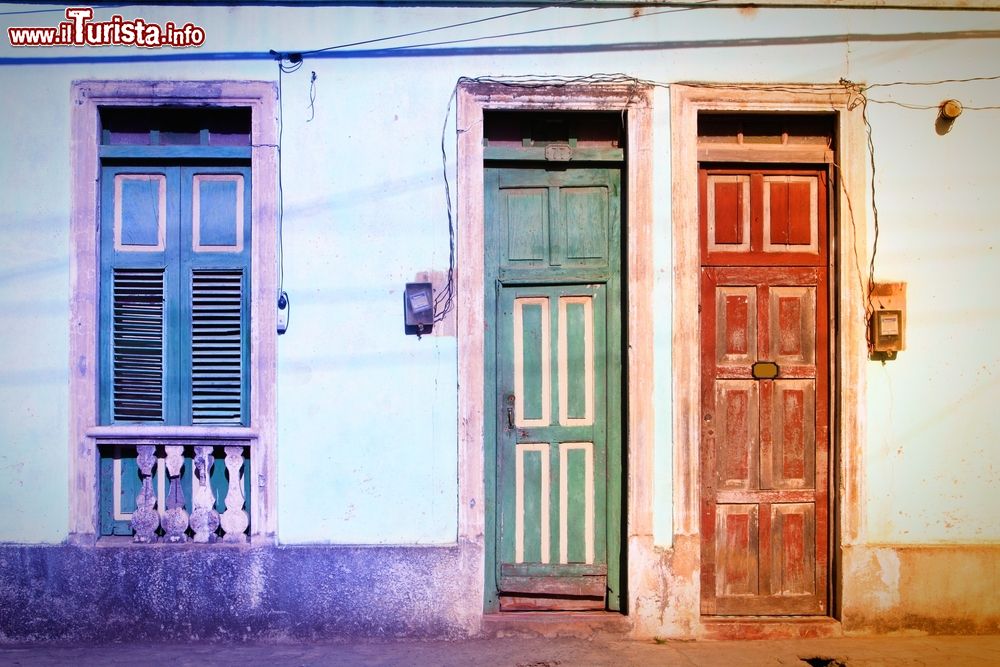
x=418 y=308
x=887 y=328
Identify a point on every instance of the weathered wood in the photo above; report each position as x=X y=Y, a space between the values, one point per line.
x=565 y=570
x=175 y=519
x=557 y=356
x=788 y=154
x=537 y=153
x=234 y=520
x=764 y=440
x=204 y=517
x=145 y=518
x=591 y=586
x=543 y=603
x=477 y=421
x=176 y=152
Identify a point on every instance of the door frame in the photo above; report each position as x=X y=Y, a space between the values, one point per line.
x=475 y=447
x=847 y=344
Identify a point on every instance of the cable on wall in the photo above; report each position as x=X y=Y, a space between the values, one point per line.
x=444 y=301
x=859 y=98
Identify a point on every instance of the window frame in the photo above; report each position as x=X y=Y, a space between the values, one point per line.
x=85 y=433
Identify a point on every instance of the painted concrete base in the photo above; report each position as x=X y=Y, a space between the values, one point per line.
x=948 y=589
x=169 y=592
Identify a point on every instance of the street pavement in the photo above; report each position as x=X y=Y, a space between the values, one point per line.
x=931 y=651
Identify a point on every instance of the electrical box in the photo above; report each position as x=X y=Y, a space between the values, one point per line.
x=418 y=308
x=887 y=328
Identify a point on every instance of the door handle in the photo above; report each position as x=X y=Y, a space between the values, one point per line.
x=509 y=400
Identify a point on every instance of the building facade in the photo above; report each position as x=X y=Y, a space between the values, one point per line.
x=708 y=351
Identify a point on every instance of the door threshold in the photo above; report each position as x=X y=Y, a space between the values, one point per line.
x=769 y=627
x=550 y=624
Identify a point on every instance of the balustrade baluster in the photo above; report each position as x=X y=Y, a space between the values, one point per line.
x=204 y=517
x=234 y=519
x=145 y=518
x=175 y=520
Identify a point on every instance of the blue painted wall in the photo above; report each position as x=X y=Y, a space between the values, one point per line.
x=367 y=416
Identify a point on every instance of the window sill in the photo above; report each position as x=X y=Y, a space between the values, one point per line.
x=124 y=541
x=139 y=434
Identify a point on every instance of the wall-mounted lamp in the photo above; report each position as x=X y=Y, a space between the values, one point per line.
x=284 y=311
x=950 y=109
x=947 y=113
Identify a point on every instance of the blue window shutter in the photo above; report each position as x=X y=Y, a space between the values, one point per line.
x=138 y=293
x=137 y=328
x=218 y=334
x=215 y=348
x=175 y=295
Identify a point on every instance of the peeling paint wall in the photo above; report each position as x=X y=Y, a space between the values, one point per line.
x=367 y=416
x=921 y=589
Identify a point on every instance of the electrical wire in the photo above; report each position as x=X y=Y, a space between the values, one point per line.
x=938 y=82
x=437 y=29
x=312 y=97
x=859 y=98
x=445 y=300
x=630 y=17
x=924 y=107
x=869 y=306
x=281 y=192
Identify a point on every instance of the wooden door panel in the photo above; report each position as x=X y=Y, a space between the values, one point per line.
x=532 y=495
x=759 y=217
x=736 y=550
x=790 y=212
x=585 y=210
x=793 y=549
x=737 y=418
x=736 y=326
x=524 y=226
x=532 y=365
x=575 y=353
x=552 y=447
x=793 y=325
x=553 y=261
x=788 y=434
x=764 y=432
x=727 y=215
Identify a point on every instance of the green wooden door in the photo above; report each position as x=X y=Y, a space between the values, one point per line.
x=553 y=263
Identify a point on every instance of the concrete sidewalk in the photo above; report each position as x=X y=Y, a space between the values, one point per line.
x=536 y=652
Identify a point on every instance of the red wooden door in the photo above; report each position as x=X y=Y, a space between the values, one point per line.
x=764 y=392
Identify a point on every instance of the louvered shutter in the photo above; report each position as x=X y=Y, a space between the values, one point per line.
x=175 y=295
x=139 y=209
x=137 y=345
x=216 y=266
x=217 y=343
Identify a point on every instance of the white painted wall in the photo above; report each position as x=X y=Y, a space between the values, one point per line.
x=367 y=416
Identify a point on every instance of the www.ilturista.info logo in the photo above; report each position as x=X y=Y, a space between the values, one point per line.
x=79 y=29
